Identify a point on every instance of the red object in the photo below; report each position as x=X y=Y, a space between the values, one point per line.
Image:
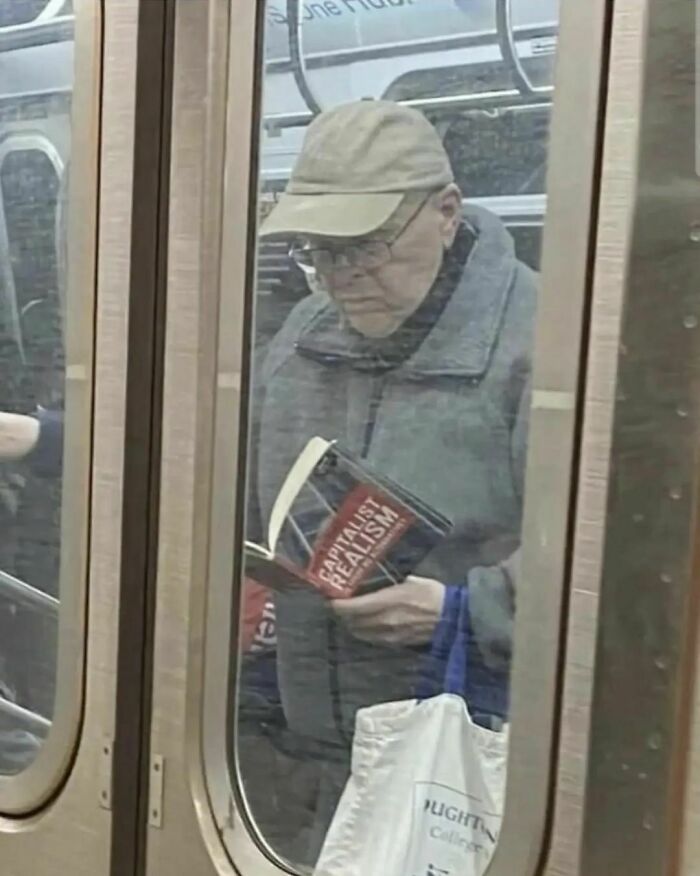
x=362 y=532
x=257 y=617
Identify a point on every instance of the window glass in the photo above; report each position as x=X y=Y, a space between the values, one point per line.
x=401 y=201
x=34 y=150
x=23 y=11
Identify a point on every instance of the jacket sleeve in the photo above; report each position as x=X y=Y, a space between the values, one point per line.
x=492 y=589
x=46 y=458
x=519 y=439
x=492 y=599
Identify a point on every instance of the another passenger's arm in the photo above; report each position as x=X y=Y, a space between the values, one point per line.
x=19 y=435
x=35 y=439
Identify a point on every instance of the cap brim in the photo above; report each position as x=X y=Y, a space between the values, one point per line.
x=331 y=215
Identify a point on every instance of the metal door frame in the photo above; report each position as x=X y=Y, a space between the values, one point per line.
x=194 y=487
x=143 y=417
x=74 y=833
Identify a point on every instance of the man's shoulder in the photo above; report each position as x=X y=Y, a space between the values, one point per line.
x=526 y=279
x=516 y=337
x=523 y=297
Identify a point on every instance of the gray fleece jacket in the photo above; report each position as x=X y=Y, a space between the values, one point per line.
x=449 y=422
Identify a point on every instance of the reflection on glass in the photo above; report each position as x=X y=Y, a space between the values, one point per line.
x=34 y=135
x=13 y=12
x=394 y=309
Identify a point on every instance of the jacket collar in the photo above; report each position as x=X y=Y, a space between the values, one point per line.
x=462 y=340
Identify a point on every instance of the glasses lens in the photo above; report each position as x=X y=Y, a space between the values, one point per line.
x=323 y=260
x=370 y=254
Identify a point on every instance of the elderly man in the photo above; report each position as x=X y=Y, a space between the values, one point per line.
x=414 y=351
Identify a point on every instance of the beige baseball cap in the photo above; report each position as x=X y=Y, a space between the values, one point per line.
x=358 y=164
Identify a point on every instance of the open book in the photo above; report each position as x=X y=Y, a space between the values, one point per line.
x=342 y=528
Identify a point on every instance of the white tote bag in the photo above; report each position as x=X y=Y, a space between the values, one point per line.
x=425 y=795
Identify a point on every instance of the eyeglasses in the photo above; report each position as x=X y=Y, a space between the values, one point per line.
x=368 y=255
x=365 y=254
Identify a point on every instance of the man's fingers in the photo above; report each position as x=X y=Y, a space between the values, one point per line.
x=369 y=628
x=359 y=606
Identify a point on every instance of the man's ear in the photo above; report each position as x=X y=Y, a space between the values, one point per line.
x=449 y=204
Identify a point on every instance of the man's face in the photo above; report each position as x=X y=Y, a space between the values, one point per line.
x=380 y=282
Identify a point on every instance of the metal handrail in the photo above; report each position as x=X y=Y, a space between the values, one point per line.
x=7 y=707
x=20 y=591
x=50 y=11
x=37 y=33
x=508 y=98
x=509 y=50
x=296 y=56
x=419 y=46
x=504 y=99
x=19 y=143
x=505 y=35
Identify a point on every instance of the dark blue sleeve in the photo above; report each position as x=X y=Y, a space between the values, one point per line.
x=46 y=459
x=432 y=681
x=455 y=664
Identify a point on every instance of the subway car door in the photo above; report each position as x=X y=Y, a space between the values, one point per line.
x=180 y=690
x=80 y=130
x=570 y=129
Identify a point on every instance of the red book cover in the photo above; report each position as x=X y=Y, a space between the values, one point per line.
x=363 y=530
x=258 y=617
x=341 y=528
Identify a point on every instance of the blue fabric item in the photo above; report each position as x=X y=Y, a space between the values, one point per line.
x=46 y=459
x=455 y=664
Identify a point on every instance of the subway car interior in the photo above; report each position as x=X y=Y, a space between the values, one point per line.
x=349 y=432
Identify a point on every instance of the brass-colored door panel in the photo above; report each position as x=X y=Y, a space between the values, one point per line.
x=198 y=809
x=623 y=103
x=189 y=708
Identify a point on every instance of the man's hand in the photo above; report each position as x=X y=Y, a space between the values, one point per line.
x=18 y=435
x=406 y=614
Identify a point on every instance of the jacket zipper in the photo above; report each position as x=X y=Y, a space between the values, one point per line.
x=374 y=402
